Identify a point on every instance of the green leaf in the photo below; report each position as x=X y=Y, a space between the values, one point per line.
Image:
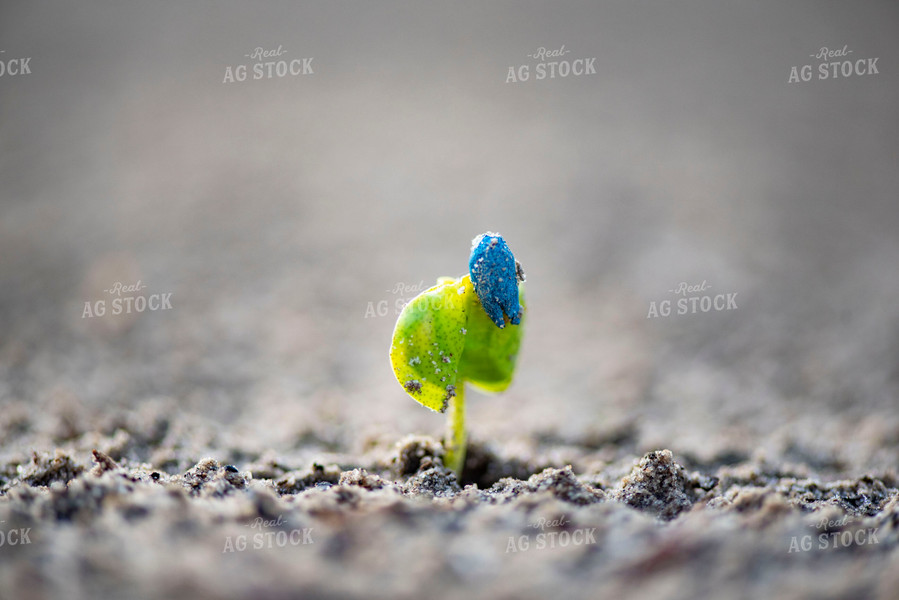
x=443 y=337
x=428 y=341
x=488 y=360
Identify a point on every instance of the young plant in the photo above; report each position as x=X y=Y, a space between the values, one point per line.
x=465 y=329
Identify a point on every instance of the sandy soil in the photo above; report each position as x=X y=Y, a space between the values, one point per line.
x=120 y=512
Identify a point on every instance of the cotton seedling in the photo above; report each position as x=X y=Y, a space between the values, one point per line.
x=462 y=330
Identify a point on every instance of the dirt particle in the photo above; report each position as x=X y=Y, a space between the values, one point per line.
x=657 y=485
x=564 y=485
x=104 y=463
x=209 y=478
x=437 y=482
x=298 y=481
x=412 y=450
x=44 y=470
x=363 y=479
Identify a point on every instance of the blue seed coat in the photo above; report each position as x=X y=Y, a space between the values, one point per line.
x=495 y=276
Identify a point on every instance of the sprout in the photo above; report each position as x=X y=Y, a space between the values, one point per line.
x=463 y=322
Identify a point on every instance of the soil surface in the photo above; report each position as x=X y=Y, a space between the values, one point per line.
x=124 y=512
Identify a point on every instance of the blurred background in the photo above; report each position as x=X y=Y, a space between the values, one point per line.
x=278 y=212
